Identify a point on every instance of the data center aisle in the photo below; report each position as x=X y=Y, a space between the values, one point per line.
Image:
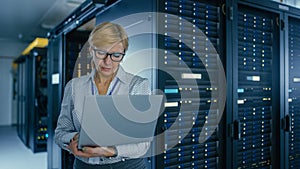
x=15 y=155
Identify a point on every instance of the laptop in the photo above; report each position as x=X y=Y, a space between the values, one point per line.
x=109 y=120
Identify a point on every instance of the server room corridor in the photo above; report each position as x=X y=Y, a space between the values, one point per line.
x=14 y=155
x=227 y=70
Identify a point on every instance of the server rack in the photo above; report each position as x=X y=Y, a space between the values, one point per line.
x=187 y=58
x=37 y=102
x=256 y=103
x=292 y=119
x=285 y=155
x=32 y=99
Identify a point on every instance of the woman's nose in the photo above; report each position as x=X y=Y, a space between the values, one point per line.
x=107 y=60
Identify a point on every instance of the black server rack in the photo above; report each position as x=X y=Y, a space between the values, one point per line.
x=293 y=118
x=187 y=57
x=255 y=88
x=37 y=102
x=32 y=99
x=22 y=118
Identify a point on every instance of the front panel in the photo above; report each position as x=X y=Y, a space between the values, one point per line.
x=293 y=92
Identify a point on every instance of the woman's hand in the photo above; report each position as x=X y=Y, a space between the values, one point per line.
x=90 y=151
x=98 y=151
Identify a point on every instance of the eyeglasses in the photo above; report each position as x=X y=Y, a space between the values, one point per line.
x=115 y=56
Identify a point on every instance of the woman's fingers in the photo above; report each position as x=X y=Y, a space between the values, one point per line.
x=90 y=151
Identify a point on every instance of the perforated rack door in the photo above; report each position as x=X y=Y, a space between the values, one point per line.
x=294 y=93
x=77 y=62
x=39 y=115
x=254 y=104
x=186 y=58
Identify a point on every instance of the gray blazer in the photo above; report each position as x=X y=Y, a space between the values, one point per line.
x=68 y=123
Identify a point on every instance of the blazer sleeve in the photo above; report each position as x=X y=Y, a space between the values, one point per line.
x=65 y=129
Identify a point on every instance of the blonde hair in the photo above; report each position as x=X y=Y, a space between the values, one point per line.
x=108 y=33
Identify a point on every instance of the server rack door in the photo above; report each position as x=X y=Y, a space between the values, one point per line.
x=19 y=96
x=192 y=46
x=41 y=99
x=29 y=98
x=76 y=64
x=256 y=90
x=22 y=117
x=38 y=100
x=30 y=61
x=19 y=115
x=293 y=116
x=24 y=108
x=54 y=63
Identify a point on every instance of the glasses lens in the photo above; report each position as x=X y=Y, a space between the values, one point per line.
x=116 y=56
x=100 y=54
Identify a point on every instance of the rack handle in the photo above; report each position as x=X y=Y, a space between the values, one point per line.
x=236 y=130
x=287 y=123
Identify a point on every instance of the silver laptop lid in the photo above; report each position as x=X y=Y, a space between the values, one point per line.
x=119 y=119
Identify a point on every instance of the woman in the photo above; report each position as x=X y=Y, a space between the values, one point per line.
x=108 y=45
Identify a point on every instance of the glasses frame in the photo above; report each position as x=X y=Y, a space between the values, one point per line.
x=106 y=54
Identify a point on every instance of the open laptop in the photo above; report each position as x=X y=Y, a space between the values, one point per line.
x=109 y=120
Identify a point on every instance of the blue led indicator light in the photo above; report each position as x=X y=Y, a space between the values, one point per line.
x=168 y=91
x=240 y=90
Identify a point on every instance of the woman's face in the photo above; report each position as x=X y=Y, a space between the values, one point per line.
x=106 y=67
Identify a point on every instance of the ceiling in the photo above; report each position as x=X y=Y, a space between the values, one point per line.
x=24 y=20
